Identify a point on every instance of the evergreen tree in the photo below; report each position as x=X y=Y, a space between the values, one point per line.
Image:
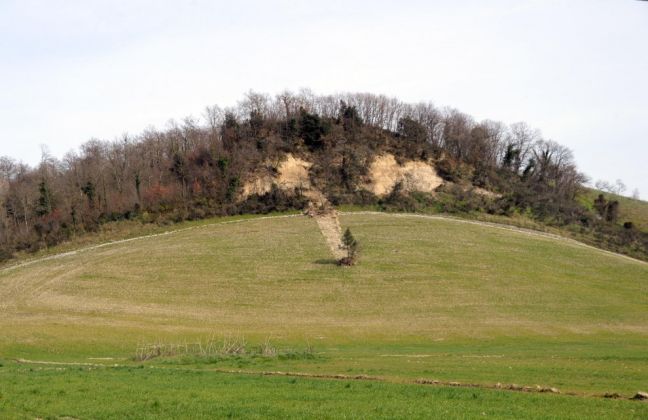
x=44 y=205
x=612 y=211
x=89 y=190
x=600 y=205
x=349 y=117
x=312 y=128
x=351 y=245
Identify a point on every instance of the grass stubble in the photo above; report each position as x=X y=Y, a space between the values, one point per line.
x=431 y=300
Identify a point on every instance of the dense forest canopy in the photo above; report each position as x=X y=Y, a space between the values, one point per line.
x=196 y=168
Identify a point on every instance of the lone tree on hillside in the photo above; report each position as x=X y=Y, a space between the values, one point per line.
x=351 y=246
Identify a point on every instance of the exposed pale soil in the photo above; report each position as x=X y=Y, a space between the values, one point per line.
x=327 y=220
x=385 y=173
x=291 y=173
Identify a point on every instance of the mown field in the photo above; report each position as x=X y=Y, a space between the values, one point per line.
x=431 y=299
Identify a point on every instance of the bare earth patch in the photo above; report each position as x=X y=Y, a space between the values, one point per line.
x=289 y=174
x=385 y=173
x=293 y=173
x=327 y=220
x=329 y=225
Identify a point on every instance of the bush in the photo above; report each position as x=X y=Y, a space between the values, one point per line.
x=351 y=245
x=5 y=254
x=275 y=200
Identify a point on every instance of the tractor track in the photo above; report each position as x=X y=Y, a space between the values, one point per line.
x=341 y=377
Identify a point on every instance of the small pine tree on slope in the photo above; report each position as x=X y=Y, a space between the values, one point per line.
x=351 y=245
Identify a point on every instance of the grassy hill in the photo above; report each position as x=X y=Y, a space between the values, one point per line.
x=630 y=210
x=633 y=210
x=432 y=298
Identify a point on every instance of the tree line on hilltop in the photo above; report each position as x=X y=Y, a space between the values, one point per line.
x=196 y=168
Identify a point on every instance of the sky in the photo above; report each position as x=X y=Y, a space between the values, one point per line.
x=575 y=69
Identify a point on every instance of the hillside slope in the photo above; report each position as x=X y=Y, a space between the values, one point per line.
x=263 y=156
x=630 y=209
x=431 y=298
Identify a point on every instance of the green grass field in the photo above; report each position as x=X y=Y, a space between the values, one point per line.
x=158 y=393
x=431 y=298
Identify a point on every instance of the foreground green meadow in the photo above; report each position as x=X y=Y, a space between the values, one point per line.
x=157 y=393
x=431 y=298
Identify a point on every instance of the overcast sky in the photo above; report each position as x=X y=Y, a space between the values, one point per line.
x=576 y=69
